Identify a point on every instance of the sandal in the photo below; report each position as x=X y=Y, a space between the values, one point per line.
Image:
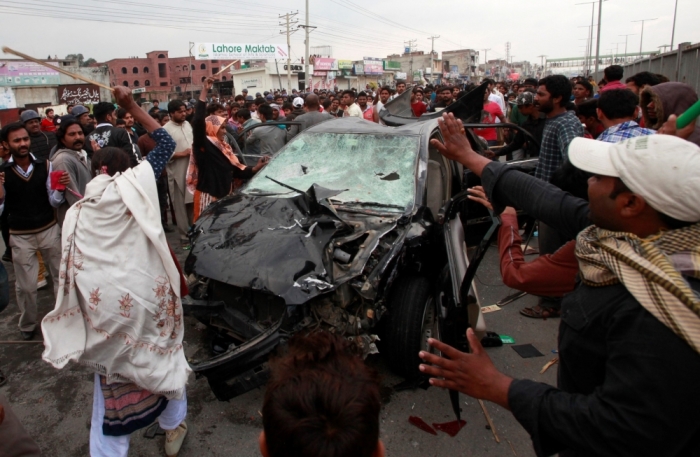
x=539 y=312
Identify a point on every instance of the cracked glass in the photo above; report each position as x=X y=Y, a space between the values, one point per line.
x=373 y=170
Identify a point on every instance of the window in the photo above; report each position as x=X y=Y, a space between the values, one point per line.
x=137 y=83
x=223 y=78
x=124 y=70
x=214 y=70
x=162 y=70
x=214 y=61
x=135 y=70
x=161 y=56
x=163 y=84
x=192 y=67
x=126 y=83
x=148 y=83
x=203 y=66
x=111 y=70
x=146 y=70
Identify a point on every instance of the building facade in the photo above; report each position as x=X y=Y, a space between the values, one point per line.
x=464 y=61
x=163 y=76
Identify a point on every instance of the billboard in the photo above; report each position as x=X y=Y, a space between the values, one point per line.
x=373 y=66
x=78 y=94
x=345 y=64
x=7 y=98
x=325 y=64
x=227 y=51
x=22 y=73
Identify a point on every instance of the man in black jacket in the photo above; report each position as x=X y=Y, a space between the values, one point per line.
x=534 y=125
x=42 y=142
x=629 y=339
x=106 y=134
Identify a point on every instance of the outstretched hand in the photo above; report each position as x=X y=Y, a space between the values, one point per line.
x=472 y=374
x=455 y=145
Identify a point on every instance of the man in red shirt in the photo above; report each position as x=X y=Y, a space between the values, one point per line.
x=489 y=115
x=417 y=105
x=47 y=124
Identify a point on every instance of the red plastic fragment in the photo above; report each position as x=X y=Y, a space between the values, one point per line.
x=451 y=428
x=420 y=423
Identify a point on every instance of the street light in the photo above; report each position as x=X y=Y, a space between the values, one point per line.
x=673 y=31
x=629 y=34
x=641 y=38
x=590 y=42
x=617 y=51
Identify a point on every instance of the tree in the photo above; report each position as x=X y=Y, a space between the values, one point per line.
x=89 y=62
x=81 y=59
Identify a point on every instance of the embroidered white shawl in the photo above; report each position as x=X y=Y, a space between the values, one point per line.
x=119 y=308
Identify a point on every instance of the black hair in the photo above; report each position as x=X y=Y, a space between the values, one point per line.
x=120 y=122
x=613 y=73
x=9 y=128
x=586 y=85
x=327 y=104
x=102 y=110
x=265 y=110
x=243 y=113
x=288 y=105
x=239 y=97
x=175 y=105
x=400 y=81
x=557 y=86
x=66 y=122
x=351 y=93
x=260 y=101
x=50 y=110
x=363 y=94
x=643 y=78
x=618 y=104
x=385 y=88
x=214 y=107
x=115 y=159
x=121 y=113
x=587 y=109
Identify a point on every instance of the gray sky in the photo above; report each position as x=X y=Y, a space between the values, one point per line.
x=103 y=29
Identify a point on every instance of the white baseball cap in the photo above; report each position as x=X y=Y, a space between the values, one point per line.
x=663 y=169
x=298 y=102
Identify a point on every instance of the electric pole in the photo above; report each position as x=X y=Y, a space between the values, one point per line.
x=411 y=47
x=507 y=52
x=641 y=38
x=432 y=55
x=542 y=57
x=306 y=28
x=600 y=25
x=486 y=61
x=628 y=35
x=288 y=23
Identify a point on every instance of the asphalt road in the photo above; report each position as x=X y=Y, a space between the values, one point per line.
x=55 y=405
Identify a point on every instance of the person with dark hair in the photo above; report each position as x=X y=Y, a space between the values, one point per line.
x=588 y=115
x=321 y=400
x=629 y=348
x=42 y=142
x=400 y=88
x=31 y=219
x=129 y=123
x=661 y=101
x=270 y=138
x=351 y=108
x=182 y=201
x=47 y=123
x=132 y=339
x=582 y=91
x=213 y=166
x=521 y=147
x=384 y=96
x=107 y=134
x=365 y=108
x=613 y=75
x=490 y=112
x=637 y=82
x=312 y=117
x=617 y=111
x=418 y=108
x=71 y=158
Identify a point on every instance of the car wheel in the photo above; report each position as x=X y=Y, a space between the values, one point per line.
x=412 y=321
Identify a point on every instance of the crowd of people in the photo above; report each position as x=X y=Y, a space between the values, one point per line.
x=82 y=193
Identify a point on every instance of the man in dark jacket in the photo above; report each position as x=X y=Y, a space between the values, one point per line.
x=629 y=344
x=42 y=142
x=312 y=117
x=660 y=101
x=534 y=125
x=106 y=134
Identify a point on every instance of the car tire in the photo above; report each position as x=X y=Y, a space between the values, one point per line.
x=412 y=320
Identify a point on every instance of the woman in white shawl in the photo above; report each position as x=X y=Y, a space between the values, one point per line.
x=119 y=307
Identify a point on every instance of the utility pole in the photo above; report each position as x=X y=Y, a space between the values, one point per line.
x=507 y=52
x=628 y=35
x=432 y=55
x=486 y=61
x=673 y=31
x=542 y=57
x=600 y=26
x=641 y=38
x=589 y=49
x=288 y=23
x=411 y=47
x=306 y=28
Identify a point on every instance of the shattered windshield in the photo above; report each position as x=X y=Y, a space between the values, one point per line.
x=376 y=169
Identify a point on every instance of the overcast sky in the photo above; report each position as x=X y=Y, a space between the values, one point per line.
x=106 y=29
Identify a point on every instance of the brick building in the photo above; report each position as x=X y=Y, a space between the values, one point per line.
x=164 y=77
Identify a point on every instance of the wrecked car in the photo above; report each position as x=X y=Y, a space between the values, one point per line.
x=338 y=232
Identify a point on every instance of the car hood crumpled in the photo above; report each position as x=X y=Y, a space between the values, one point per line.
x=267 y=243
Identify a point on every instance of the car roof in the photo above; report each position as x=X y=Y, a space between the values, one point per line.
x=359 y=125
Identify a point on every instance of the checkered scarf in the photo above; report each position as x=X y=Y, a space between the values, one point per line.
x=652 y=269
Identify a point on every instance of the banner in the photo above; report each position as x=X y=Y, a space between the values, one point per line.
x=325 y=64
x=373 y=66
x=78 y=94
x=226 y=51
x=23 y=73
x=345 y=64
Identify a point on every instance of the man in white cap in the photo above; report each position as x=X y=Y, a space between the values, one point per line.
x=629 y=339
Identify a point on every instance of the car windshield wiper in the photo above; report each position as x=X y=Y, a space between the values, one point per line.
x=279 y=183
x=377 y=204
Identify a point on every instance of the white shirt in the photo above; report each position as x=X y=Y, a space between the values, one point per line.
x=353 y=111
